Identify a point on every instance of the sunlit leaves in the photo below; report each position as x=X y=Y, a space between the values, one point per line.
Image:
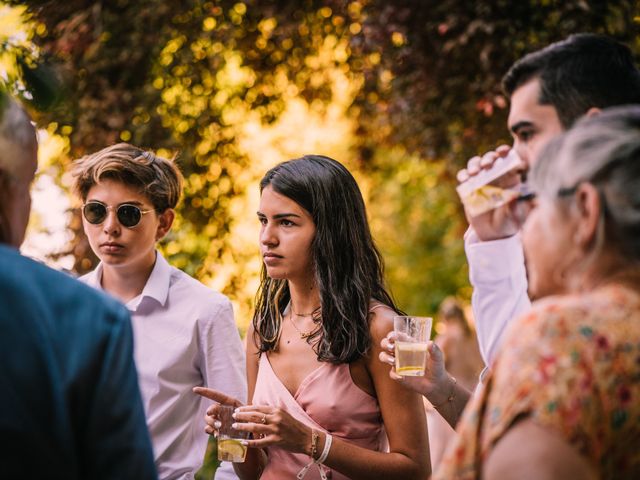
x=419 y=229
x=445 y=60
x=208 y=80
x=22 y=72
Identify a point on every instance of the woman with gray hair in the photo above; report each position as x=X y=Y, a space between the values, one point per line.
x=563 y=399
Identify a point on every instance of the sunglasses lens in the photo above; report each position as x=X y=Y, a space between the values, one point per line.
x=129 y=215
x=94 y=213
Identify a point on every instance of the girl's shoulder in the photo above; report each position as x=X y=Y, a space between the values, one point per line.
x=380 y=319
x=376 y=305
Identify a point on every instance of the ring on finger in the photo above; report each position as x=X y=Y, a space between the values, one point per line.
x=264 y=419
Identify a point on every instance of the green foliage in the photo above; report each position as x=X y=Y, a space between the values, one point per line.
x=211 y=462
x=181 y=77
x=41 y=82
x=187 y=77
x=417 y=217
x=28 y=77
x=438 y=65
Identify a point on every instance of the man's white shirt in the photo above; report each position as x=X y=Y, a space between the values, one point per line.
x=185 y=336
x=499 y=279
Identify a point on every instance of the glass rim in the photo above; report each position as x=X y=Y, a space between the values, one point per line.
x=413 y=316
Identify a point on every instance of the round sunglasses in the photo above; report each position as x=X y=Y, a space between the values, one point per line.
x=128 y=215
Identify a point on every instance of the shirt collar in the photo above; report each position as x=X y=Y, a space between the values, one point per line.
x=157 y=286
x=94 y=277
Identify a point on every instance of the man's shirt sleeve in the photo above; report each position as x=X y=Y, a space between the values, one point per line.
x=499 y=279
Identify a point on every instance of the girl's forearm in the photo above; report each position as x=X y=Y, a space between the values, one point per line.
x=361 y=463
x=451 y=406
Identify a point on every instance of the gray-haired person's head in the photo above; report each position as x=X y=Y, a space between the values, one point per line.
x=18 y=158
x=603 y=150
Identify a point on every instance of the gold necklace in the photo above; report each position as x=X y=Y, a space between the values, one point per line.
x=303 y=335
x=304 y=314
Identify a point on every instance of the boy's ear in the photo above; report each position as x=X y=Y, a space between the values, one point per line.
x=165 y=220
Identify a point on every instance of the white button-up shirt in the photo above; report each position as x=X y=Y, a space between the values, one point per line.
x=185 y=336
x=499 y=278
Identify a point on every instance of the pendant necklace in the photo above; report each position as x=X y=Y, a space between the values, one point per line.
x=303 y=335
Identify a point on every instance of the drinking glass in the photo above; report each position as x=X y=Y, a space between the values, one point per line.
x=412 y=337
x=230 y=447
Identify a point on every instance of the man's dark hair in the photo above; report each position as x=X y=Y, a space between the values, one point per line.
x=578 y=73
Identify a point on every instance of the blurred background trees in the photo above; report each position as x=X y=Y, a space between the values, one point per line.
x=402 y=92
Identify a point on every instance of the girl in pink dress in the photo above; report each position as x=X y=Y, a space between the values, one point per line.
x=322 y=405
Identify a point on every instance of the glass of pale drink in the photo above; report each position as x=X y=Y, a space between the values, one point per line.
x=412 y=337
x=230 y=447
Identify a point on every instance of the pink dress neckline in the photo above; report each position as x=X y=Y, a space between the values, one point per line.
x=327 y=399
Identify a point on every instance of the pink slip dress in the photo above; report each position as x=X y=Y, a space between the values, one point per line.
x=327 y=400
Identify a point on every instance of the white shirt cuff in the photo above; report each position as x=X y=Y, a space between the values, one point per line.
x=493 y=260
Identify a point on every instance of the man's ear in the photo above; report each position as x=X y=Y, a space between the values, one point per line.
x=165 y=220
x=589 y=210
x=593 y=111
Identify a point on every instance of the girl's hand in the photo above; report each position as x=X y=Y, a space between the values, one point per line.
x=434 y=384
x=211 y=418
x=273 y=426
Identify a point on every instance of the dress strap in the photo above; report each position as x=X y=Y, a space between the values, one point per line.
x=375 y=306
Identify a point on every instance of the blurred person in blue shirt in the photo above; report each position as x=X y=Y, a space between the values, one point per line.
x=70 y=405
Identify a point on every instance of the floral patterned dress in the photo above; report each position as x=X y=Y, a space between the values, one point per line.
x=572 y=365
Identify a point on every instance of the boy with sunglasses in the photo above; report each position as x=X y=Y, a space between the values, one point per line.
x=184 y=332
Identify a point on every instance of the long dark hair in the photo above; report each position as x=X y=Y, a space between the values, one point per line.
x=348 y=268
